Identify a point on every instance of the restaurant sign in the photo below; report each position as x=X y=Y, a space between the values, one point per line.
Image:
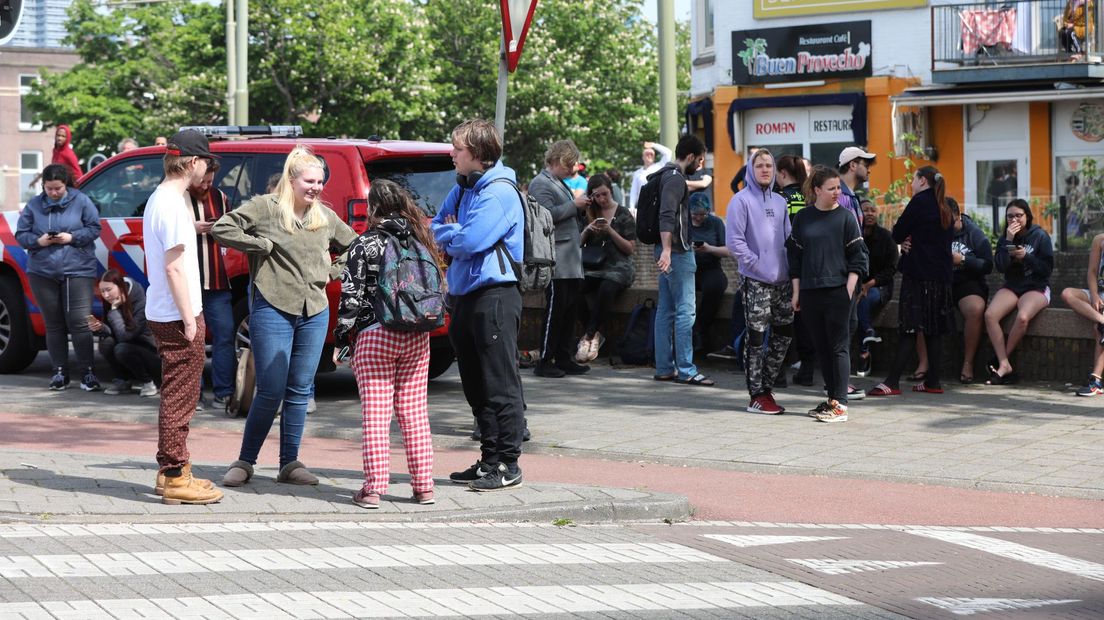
x=801 y=53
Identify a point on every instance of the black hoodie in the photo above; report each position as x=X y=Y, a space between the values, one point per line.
x=354 y=311
x=1033 y=272
x=973 y=244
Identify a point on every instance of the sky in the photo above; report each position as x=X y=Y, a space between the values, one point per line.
x=682 y=9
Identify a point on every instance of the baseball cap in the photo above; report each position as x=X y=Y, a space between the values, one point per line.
x=189 y=143
x=852 y=153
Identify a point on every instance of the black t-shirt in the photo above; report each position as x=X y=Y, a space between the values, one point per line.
x=712 y=232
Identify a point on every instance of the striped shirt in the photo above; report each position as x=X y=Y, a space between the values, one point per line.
x=212 y=263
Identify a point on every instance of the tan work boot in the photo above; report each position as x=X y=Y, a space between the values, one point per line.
x=159 y=487
x=189 y=490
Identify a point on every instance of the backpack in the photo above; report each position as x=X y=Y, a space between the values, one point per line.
x=535 y=271
x=637 y=345
x=408 y=293
x=647 y=206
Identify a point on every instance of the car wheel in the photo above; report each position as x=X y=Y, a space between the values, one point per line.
x=439 y=361
x=16 y=352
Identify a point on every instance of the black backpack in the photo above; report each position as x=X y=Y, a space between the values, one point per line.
x=637 y=346
x=647 y=205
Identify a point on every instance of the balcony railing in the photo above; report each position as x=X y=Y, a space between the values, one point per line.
x=987 y=34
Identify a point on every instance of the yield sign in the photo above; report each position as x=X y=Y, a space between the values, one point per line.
x=516 y=16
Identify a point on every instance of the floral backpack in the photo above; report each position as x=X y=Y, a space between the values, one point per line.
x=409 y=292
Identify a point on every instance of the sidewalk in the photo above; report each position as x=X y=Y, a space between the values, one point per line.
x=1036 y=438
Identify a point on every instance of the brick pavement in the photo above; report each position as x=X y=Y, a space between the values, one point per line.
x=1035 y=438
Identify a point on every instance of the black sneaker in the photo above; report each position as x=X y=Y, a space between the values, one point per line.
x=89 y=383
x=499 y=478
x=547 y=369
x=725 y=353
x=571 y=368
x=60 y=380
x=862 y=368
x=471 y=474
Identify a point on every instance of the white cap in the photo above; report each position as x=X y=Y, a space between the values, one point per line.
x=852 y=153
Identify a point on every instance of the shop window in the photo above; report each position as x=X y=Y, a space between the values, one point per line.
x=827 y=153
x=30 y=164
x=703 y=27
x=26 y=117
x=778 y=150
x=1080 y=196
x=997 y=185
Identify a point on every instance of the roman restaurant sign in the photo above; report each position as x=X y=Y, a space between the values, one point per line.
x=801 y=53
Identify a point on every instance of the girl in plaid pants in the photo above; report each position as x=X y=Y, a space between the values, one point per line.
x=391 y=367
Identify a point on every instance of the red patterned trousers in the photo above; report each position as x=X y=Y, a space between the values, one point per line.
x=392 y=372
x=181 y=368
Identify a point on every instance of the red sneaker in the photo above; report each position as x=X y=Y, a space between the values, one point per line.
x=764 y=403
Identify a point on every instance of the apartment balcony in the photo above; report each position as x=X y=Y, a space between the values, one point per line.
x=992 y=42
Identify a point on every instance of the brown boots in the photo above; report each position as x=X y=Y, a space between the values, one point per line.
x=186 y=489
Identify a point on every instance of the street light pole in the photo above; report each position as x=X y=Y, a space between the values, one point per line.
x=668 y=115
x=231 y=64
x=241 y=93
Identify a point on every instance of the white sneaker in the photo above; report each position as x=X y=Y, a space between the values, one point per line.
x=149 y=388
x=837 y=413
x=595 y=345
x=582 y=352
x=312 y=406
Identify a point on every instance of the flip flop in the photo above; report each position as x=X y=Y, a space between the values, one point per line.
x=670 y=377
x=883 y=390
x=920 y=387
x=698 y=379
x=1010 y=379
x=918 y=376
x=965 y=379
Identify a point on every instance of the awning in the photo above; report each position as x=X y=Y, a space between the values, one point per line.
x=857 y=101
x=701 y=109
x=945 y=96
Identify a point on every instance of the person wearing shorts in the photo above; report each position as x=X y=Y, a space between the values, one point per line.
x=1089 y=303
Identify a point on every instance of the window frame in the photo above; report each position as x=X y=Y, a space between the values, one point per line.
x=23 y=91
x=32 y=171
x=703 y=20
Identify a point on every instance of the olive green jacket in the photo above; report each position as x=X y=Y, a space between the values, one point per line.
x=290 y=269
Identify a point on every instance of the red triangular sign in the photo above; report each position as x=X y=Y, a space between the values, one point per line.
x=516 y=17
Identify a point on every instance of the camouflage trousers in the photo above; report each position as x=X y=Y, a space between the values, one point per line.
x=766 y=306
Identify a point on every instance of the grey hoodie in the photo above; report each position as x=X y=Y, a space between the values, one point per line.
x=757 y=226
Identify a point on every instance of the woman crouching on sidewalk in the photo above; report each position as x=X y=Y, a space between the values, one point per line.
x=827 y=259
x=391 y=367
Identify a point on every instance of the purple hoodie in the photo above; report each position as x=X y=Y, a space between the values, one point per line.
x=757 y=227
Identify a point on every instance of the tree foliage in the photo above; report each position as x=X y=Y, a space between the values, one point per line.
x=396 y=68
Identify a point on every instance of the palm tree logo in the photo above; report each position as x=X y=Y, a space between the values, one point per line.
x=752 y=49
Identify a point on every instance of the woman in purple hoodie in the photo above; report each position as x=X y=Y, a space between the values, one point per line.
x=756 y=230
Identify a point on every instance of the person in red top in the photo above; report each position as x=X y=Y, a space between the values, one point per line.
x=209 y=203
x=63 y=154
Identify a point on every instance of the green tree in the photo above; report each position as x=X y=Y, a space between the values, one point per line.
x=144 y=71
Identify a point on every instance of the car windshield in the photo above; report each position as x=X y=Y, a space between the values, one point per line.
x=428 y=179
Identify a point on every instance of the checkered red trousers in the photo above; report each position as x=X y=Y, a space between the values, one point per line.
x=392 y=372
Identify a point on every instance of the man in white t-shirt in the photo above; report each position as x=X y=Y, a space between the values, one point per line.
x=174 y=313
x=640 y=177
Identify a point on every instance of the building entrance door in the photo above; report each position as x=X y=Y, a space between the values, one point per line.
x=994 y=176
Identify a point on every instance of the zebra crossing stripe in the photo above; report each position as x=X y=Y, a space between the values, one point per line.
x=445 y=602
x=971 y=606
x=73 y=530
x=1016 y=551
x=739 y=540
x=847 y=567
x=379 y=556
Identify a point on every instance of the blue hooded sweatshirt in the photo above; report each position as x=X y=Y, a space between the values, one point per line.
x=74 y=214
x=757 y=225
x=485 y=214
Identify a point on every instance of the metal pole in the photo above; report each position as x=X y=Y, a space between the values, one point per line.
x=500 y=100
x=241 y=92
x=231 y=63
x=668 y=115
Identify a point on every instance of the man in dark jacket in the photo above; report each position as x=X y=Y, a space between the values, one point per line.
x=550 y=190
x=877 y=290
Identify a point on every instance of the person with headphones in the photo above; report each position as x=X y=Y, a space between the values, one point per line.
x=483 y=213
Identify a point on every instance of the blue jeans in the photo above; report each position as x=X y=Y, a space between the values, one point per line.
x=675 y=317
x=867 y=307
x=218 y=313
x=286 y=349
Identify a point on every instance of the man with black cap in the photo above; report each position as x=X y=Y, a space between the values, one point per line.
x=174 y=313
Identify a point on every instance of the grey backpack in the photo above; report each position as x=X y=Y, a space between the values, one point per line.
x=535 y=271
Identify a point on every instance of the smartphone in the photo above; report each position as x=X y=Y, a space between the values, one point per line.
x=698 y=244
x=600 y=220
x=52 y=233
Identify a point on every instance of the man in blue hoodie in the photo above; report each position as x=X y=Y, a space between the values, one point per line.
x=757 y=227
x=481 y=228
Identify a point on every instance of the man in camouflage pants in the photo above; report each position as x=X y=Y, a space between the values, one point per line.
x=756 y=229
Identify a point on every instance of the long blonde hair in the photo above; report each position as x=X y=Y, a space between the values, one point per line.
x=298 y=161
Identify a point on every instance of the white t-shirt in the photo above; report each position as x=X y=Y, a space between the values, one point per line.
x=168 y=223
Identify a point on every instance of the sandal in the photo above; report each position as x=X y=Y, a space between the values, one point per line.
x=965 y=379
x=670 y=377
x=1010 y=379
x=919 y=375
x=698 y=379
x=921 y=387
x=883 y=390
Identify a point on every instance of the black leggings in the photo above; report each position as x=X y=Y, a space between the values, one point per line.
x=65 y=306
x=131 y=362
x=599 y=295
x=711 y=284
x=825 y=314
x=906 y=347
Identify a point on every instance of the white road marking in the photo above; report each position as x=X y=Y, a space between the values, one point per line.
x=1015 y=551
x=900 y=528
x=445 y=602
x=971 y=606
x=232 y=560
x=61 y=530
x=758 y=541
x=847 y=567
